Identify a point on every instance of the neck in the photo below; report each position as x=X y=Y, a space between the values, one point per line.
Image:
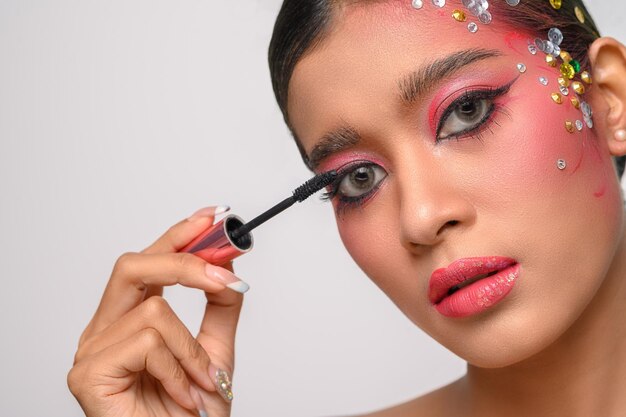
x=583 y=373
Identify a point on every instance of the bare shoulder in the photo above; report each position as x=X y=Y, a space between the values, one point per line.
x=441 y=402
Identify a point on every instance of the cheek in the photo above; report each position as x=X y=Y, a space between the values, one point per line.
x=373 y=243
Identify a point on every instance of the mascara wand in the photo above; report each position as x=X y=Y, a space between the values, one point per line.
x=299 y=195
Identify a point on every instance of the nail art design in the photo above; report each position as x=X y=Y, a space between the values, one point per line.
x=222 y=383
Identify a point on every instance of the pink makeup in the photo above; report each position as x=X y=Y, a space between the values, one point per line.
x=471 y=285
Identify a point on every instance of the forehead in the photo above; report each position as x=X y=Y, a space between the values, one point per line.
x=368 y=48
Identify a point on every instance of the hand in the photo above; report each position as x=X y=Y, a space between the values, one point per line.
x=136 y=358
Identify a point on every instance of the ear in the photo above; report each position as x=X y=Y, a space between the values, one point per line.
x=608 y=60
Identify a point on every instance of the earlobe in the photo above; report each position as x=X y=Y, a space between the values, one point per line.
x=608 y=60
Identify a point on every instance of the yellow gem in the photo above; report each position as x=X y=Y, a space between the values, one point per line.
x=567 y=70
x=569 y=126
x=563 y=82
x=586 y=77
x=579 y=14
x=557 y=98
x=556 y=4
x=459 y=15
x=578 y=87
x=575 y=102
x=565 y=56
x=550 y=60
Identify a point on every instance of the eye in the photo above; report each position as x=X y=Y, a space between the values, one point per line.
x=360 y=181
x=464 y=115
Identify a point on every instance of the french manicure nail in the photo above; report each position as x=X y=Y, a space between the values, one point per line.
x=226 y=277
x=195 y=395
x=207 y=212
x=222 y=382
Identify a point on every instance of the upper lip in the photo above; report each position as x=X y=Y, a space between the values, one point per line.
x=461 y=270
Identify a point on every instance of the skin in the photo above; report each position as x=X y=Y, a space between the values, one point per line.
x=556 y=345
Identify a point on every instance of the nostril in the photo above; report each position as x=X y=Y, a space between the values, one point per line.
x=448 y=224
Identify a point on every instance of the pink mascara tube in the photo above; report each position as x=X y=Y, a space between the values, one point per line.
x=217 y=245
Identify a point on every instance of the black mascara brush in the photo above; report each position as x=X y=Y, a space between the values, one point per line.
x=299 y=195
x=231 y=237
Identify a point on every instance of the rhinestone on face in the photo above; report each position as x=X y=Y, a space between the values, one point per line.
x=548 y=47
x=543 y=80
x=586 y=77
x=485 y=17
x=578 y=87
x=563 y=81
x=556 y=51
x=459 y=15
x=417 y=4
x=586 y=109
x=532 y=49
x=579 y=14
x=468 y=3
x=556 y=97
x=575 y=64
x=439 y=3
x=540 y=44
x=556 y=4
x=589 y=122
x=569 y=126
x=512 y=2
x=555 y=36
x=565 y=56
x=561 y=164
x=550 y=60
x=476 y=9
x=579 y=125
x=521 y=68
x=575 y=102
x=564 y=90
x=472 y=27
x=567 y=71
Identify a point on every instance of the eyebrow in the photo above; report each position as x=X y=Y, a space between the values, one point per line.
x=412 y=86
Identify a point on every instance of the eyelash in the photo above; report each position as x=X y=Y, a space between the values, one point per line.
x=344 y=203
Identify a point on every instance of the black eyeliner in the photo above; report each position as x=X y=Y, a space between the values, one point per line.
x=472 y=95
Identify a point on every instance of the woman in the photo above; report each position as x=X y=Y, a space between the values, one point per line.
x=478 y=191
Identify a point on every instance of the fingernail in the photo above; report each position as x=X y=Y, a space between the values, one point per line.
x=222 y=382
x=208 y=212
x=226 y=277
x=195 y=395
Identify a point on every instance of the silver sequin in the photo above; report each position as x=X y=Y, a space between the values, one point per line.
x=561 y=164
x=417 y=4
x=472 y=27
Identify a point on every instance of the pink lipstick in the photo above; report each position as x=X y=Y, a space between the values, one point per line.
x=472 y=285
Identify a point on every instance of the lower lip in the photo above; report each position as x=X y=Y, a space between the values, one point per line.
x=480 y=295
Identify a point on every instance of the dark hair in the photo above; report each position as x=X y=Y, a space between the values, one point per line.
x=301 y=25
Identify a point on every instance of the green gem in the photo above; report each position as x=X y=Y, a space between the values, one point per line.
x=576 y=65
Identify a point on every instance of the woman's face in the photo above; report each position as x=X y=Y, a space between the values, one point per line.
x=459 y=160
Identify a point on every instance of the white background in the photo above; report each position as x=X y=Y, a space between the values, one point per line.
x=117 y=119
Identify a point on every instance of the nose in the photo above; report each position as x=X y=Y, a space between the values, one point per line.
x=432 y=209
